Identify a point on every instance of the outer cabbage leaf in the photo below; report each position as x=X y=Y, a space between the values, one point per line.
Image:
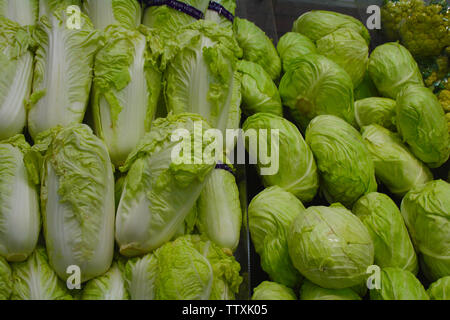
x=331 y=247
x=270 y=215
x=426 y=211
x=62 y=72
x=126 y=90
x=422 y=124
x=345 y=164
x=5 y=280
x=19 y=212
x=316 y=24
x=440 y=289
x=348 y=49
x=292 y=45
x=103 y=13
x=395 y=165
x=24 y=12
x=393 y=247
x=109 y=286
x=268 y=290
x=375 y=110
x=366 y=89
x=310 y=291
x=392 y=68
x=34 y=279
x=77 y=201
x=257 y=47
x=399 y=284
x=15 y=83
x=159 y=192
x=141 y=276
x=259 y=92
x=315 y=85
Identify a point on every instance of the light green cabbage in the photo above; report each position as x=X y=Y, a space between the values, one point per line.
x=426 y=211
x=259 y=92
x=103 y=13
x=366 y=89
x=315 y=85
x=375 y=110
x=310 y=291
x=24 y=12
x=17 y=73
x=297 y=171
x=399 y=284
x=268 y=290
x=270 y=215
x=34 y=279
x=330 y=246
x=188 y=268
x=293 y=45
x=440 y=289
x=62 y=72
x=392 y=68
x=47 y=7
x=229 y=5
x=345 y=165
x=395 y=166
x=20 y=220
x=77 y=200
x=316 y=24
x=126 y=89
x=348 y=49
x=393 y=247
x=5 y=279
x=159 y=192
x=219 y=209
x=422 y=124
x=109 y=286
x=257 y=47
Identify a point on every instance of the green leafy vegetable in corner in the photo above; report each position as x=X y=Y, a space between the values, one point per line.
x=310 y=291
x=393 y=247
x=376 y=110
x=293 y=45
x=19 y=210
x=440 y=289
x=270 y=215
x=77 y=200
x=345 y=164
x=268 y=290
x=257 y=47
x=330 y=246
x=109 y=286
x=398 y=284
x=395 y=165
x=5 y=279
x=126 y=13
x=24 y=12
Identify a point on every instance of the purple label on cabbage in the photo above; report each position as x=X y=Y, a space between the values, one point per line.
x=177 y=5
x=221 y=10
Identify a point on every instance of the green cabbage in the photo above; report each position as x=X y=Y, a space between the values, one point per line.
x=229 y=5
x=5 y=279
x=392 y=68
x=349 y=50
x=393 y=247
x=399 y=284
x=330 y=246
x=259 y=92
x=34 y=279
x=103 y=13
x=316 y=24
x=268 y=290
x=315 y=85
x=375 y=110
x=422 y=124
x=292 y=45
x=24 y=12
x=345 y=165
x=47 y=7
x=62 y=72
x=310 y=291
x=126 y=89
x=440 y=289
x=17 y=73
x=109 y=286
x=426 y=211
x=297 y=171
x=395 y=165
x=77 y=200
x=20 y=220
x=270 y=215
x=158 y=192
x=257 y=47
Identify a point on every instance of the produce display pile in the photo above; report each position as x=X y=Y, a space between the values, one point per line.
x=94 y=206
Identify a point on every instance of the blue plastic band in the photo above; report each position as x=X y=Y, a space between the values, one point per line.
x=177 y=5
x=225 y=167
x=221 y=10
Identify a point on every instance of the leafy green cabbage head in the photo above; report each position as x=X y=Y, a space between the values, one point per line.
x=126 y=13
x=293 y=45
x=108 y=286
x=440 y=289
x=375 y=110
x=268 y=290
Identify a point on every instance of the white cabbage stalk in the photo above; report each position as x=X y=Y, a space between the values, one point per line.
x=109 y=286
x=19 y=201
x=63 y=72
x=15 y=82
x=24 y=12
x=126 y=90
x=77 y=196
x=103 y=13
